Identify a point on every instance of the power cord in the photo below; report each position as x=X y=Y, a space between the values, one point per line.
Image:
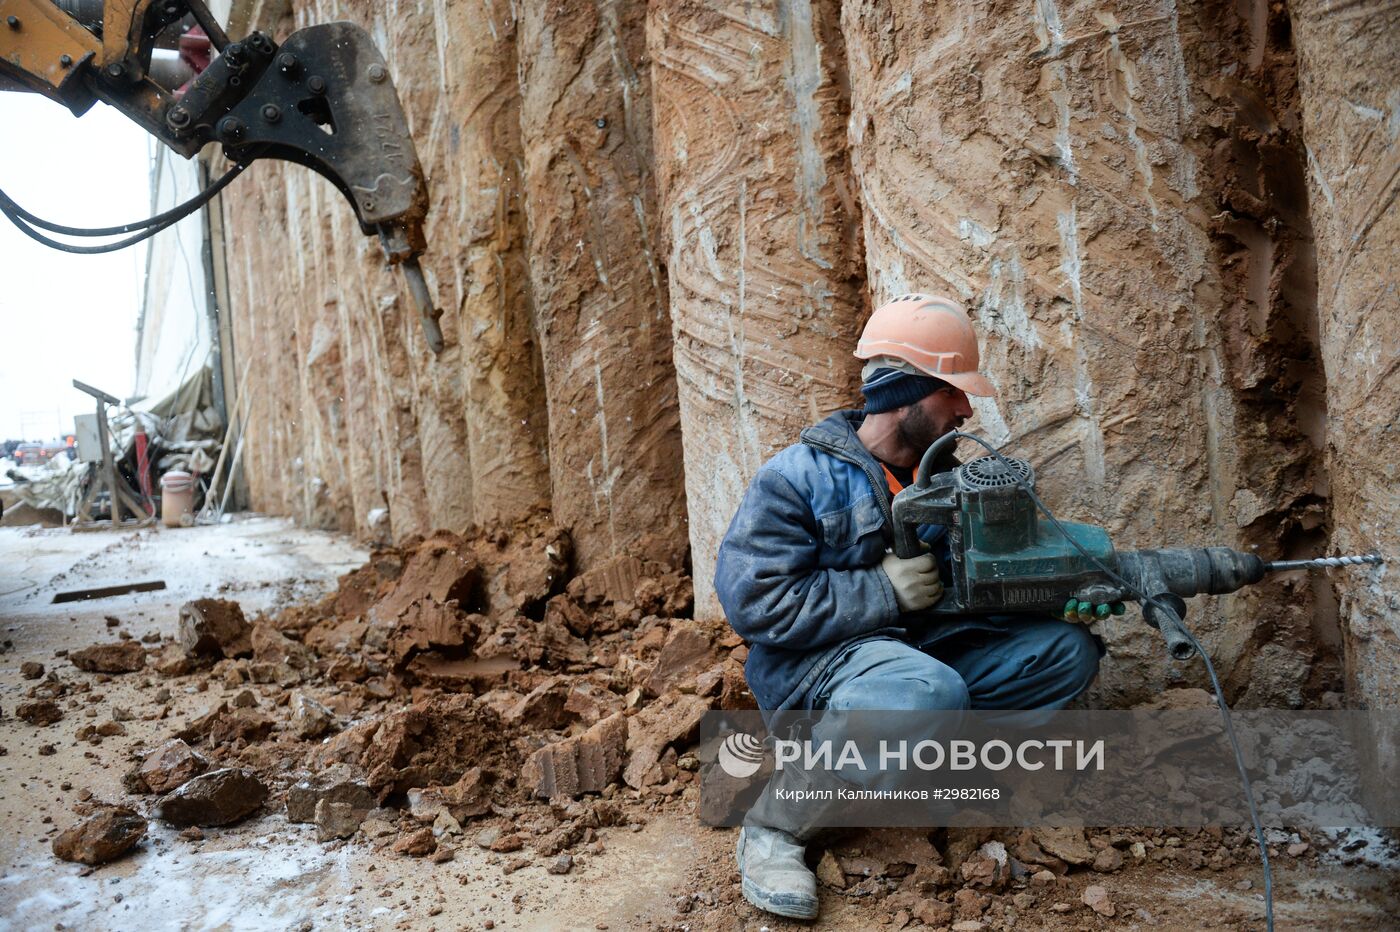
x=149 y=227
x=1161 y=607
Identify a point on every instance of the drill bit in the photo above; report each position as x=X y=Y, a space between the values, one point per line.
x=1281 y=565
x=418 y=286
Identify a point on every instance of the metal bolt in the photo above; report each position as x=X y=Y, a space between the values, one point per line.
x=601 y=123
x=270 y=113
x=178 y=116
x=233 y=54
x=232 y=129
x=317 y=84
x=13 y=21
x=116 y=70
x=65 y=60
x=287 y=63
x=377 y=73
x=367 y=203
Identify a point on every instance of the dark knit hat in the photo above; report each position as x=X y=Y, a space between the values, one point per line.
x=887 y=389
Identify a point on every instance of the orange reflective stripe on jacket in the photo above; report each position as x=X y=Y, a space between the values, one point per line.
x=895 y=485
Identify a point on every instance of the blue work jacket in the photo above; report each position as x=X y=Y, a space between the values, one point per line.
x=799 y=574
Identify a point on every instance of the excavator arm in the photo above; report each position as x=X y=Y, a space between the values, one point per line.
x=323 y=98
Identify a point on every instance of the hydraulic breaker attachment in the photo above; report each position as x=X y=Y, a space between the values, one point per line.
x=324 y=98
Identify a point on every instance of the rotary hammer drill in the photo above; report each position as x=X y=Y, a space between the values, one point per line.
x=1010 y=554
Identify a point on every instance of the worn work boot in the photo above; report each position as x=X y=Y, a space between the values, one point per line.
x=776 y=878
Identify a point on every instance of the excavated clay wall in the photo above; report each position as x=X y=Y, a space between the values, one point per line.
x=763 y=238
x=1348 y=56
x=1115 y=190
x=388 y=450
x=326 y=438
x=600 y=293
x=502 y=380
x=658 y=227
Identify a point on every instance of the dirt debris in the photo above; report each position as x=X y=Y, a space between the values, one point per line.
x=103 y=836
x=430 y=742
x=170 y=766
x=1096 y=898
x=39 y=712
x=341 y=783
x=240 y=727
x=987 y=867
x=219 y=797
x=418 y=844
x=1067 y=844
x=466 y=799
x=585 y=763
x=520 y=682
x=214 y=628
x=531 y=744
x=656 y=728
x=311 y=719
x=687 y=651
x=171 y=660
x=339 y=815
x=458 y=678
x=114 y=657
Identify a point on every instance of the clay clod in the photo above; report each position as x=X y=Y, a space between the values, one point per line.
x=430 y=742
x=419 y=844
x=687 y=651
x=215 y=798
x=1096 y=898
x=214 y=628
x=340 y=784
x=310 y=719
x=104 y=836
x=463 y=800
x=116 y=657
x=586 y=763
x=668 y=721
x=1068 y=844
x=171 y=765
x=39 y=712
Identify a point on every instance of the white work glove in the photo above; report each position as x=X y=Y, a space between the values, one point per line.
x=916 y=583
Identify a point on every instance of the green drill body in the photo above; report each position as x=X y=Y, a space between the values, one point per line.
x=1006 y=557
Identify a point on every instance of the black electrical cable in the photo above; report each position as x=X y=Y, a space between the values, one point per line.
x=1210 y=669
x=178 y=212
x=23 y=219
x=35 y=235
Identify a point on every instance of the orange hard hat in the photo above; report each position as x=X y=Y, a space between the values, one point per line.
x=931 y=333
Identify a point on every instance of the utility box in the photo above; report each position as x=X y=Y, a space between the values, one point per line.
x=89 y=441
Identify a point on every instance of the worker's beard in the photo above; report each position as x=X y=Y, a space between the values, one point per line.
x=917 y=431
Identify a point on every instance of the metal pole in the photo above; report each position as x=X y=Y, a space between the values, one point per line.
x=109 y=468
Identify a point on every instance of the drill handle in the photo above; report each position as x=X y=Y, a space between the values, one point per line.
x=907 y=544
x=1165 y=612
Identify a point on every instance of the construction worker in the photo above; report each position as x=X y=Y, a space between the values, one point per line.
x=806 y=576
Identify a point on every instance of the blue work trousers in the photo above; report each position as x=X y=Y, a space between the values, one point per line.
x=1032 y=664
